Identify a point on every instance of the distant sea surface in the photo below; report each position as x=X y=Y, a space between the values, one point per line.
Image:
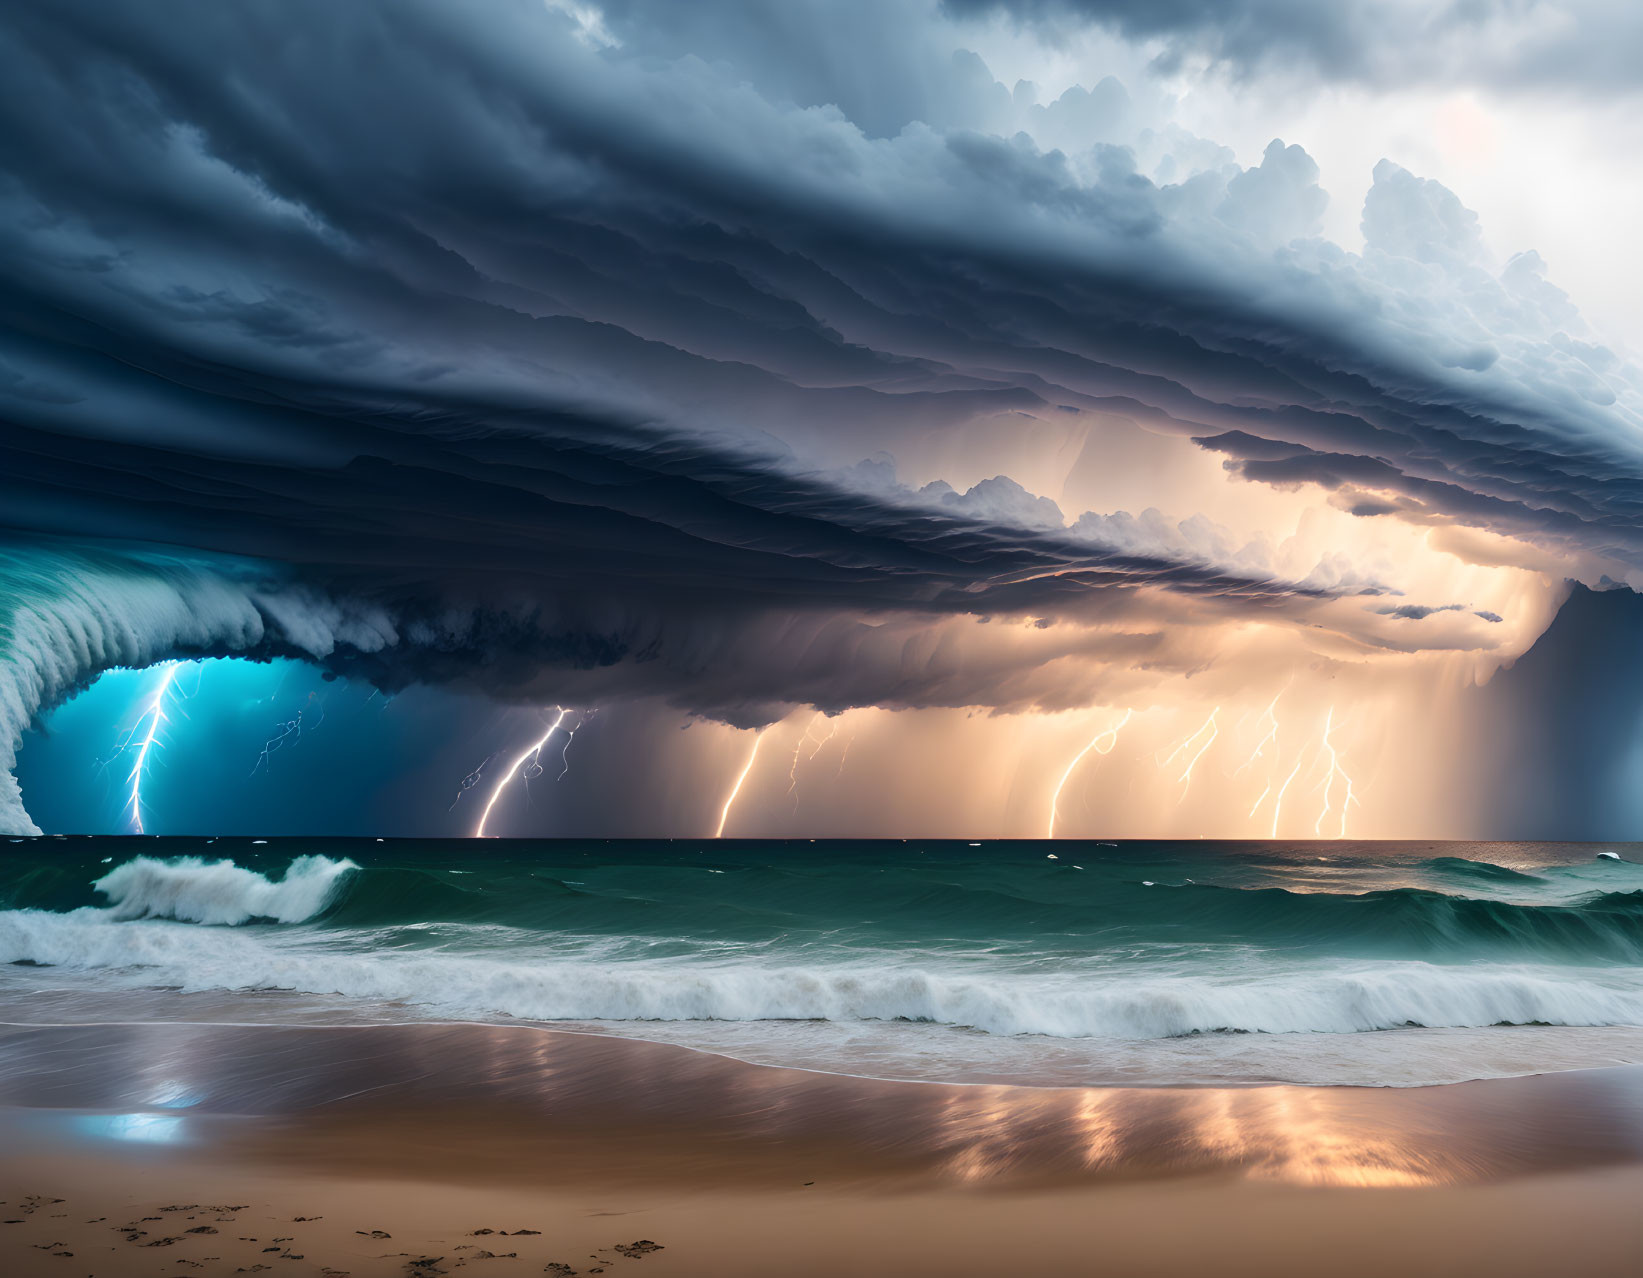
x=1042 y=963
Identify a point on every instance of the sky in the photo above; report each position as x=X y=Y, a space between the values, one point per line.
x=959 y=418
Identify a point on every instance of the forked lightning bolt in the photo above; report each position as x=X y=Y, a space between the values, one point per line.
x=1335 y=770
x=517 y=768
x=291 y=729
x=815 y=743
x=1271 y=739
x=471 y=780
x=149 y=723
x=564 y=753
x=1208 y=726
x=1110 y=736
x=1278 y=803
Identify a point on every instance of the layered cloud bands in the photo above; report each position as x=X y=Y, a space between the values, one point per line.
x=566 y=355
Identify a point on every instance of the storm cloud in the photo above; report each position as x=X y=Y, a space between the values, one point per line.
x=1581 y=46
x=537 y=350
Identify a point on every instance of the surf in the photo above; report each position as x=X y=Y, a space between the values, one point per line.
x=884 y=987
x=192 y=890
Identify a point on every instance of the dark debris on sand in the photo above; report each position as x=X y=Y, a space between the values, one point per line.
x=424 y=1266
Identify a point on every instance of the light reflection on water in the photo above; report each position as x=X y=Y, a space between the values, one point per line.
x=598 y=1099
x=143 y=1129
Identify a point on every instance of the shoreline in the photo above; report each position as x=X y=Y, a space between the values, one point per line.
x=629 y=1032
x=495 y=1084
x=306 y=1139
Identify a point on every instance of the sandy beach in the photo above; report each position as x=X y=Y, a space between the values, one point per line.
x=821 y=639
x=424 y=1149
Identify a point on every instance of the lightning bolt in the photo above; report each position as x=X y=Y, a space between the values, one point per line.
x=815 y=743
x=1209 y=726
x=793 y=770
x=832 y=731
x=1349 y=801
x=530 y=756
x=1110 y=735
x=290 y=728
x=154 y=716
x=564 y=754
x=843 y=755
x=1278 y=803
x=1271 y=738
x=730 y=799
x=1335 y=770
x=471 y=780
x=1256 y=806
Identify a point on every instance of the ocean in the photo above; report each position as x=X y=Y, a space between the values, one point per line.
x=1139 y=963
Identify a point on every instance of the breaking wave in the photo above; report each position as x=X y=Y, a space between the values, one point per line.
x=1101 y=909
x=908 y=987
x=67 y=616
x=192 y=890
x=1006 y=946
x=1126 y=960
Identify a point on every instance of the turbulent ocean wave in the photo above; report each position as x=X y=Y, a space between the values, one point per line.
x=192 y=890
x=1025 y=908
x=1120 y=945
x=885 y=987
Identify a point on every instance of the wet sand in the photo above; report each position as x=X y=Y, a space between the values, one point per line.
x=301 y=1147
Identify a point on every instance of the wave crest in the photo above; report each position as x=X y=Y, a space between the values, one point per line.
x=68 y=615
x=191 y=890
x=1339 y=999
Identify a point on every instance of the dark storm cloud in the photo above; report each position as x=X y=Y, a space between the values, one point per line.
x=884 y=65
x=455 y=501
x=1418 y=612
x=1583 y=46
x=499 y=355
x=1562 y=723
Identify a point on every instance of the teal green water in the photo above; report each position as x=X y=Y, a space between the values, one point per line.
x=1022 y=941
x=1009 y=899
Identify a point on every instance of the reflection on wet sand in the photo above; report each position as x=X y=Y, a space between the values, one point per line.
x=539 y=1105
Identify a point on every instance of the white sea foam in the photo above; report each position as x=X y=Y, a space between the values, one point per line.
x=1338 y=997
x=192 y=890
